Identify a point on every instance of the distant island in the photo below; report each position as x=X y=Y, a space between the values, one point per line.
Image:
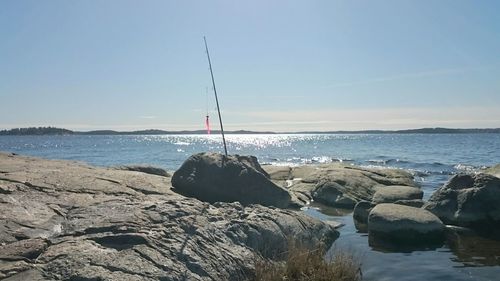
x=36 y=131
x=33 y=131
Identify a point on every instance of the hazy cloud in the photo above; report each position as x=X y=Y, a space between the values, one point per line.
x=430 y=73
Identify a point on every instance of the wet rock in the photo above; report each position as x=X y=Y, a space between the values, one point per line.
x=213 y=177
x=404 y=224
x=145 y=169
x=470 y=201
x=70 y=221
x=393 y=193
x=337 y=184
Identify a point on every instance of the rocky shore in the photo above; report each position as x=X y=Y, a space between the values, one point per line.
x=387 y=203
x=212 y=219
x=62 y=220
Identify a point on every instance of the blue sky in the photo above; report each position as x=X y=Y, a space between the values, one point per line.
x=279 y=65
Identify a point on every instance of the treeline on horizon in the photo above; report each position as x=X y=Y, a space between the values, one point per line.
x=37 y=131
x=59 y=131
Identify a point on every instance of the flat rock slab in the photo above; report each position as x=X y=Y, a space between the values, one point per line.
x=62 y=220
x=404 y=224
x=393 y=193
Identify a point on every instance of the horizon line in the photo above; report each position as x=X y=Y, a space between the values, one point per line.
x=243 y=131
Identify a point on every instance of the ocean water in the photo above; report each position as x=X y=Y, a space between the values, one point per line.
x=432 y=159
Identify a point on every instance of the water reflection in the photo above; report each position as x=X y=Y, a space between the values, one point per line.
x=384 y=245
x=463 y=255
x=473 y=250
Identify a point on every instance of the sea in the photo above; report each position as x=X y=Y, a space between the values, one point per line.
x=431 y=158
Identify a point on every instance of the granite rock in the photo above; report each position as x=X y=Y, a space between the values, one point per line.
x=62 y=220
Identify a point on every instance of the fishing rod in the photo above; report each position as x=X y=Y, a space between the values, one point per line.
x=215 y=92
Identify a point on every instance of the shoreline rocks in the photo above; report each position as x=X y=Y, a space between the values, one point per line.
x=336 y=184
x=61 y=220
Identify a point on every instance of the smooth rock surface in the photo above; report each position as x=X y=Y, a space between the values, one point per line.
x=404 y=224
x=61 y=220
x=336 y=184
x=468 y=200
x=393 y=193
x=213 y=177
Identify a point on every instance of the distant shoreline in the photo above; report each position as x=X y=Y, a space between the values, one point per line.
x=33 y=131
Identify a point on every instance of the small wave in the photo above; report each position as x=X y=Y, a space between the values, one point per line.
x=182 y=143
x=295 y=161
x=321 y=159
x=467 y=168
x=388 y=161
x=420 y=174
x=281 y=164
x=426 y=173
x=397 y=161
x=377 y=161
x=341 y=160
x=324 y=160
x=371 y=166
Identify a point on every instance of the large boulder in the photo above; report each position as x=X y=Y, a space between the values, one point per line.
x=393 y=193
x=404 y=224
x=397 y=194
x=468 y=200
x=213 y=177
x=336 y=184
x=61 y=220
